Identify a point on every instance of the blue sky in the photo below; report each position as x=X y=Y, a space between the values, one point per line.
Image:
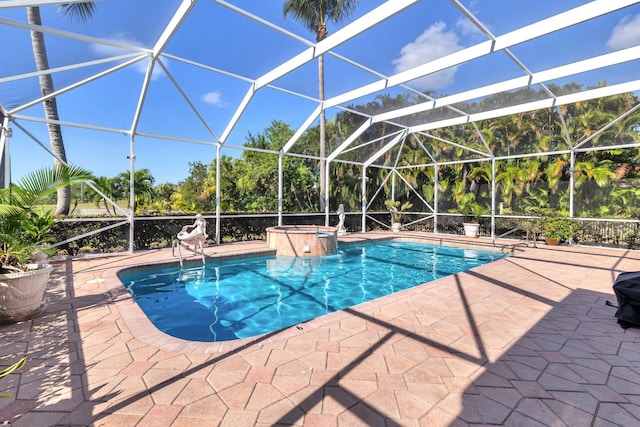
x=217 y=37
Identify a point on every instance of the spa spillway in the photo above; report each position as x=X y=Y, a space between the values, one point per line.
x=303 y=240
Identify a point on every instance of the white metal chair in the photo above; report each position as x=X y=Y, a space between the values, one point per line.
x=192 y=240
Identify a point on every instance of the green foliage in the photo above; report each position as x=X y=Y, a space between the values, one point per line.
x=37 y=224
x=249 y=184
x=194 y=193
x=25 y=226
x=163 y=196
x=10 y=369
x=396 y=209
x=560 y=227
x=470 y=209
x=142 y=186
x=314 y=14
x=112 y=240
x=15 y=252
x=607 y=182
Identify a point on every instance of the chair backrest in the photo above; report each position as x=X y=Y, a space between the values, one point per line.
x=200 y=226
x=204 y=229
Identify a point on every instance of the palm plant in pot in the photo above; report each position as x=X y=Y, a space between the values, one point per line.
x=472 y=213
x=25 y=227
x=396 y=210
x=557 y=228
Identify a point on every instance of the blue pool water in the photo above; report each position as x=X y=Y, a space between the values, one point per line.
x=240 y=298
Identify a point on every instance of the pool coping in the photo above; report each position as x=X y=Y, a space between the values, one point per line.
x=143 y=329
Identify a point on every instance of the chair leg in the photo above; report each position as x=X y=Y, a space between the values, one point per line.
x=180 y=252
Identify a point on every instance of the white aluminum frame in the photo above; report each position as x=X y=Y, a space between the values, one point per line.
x=493 y=44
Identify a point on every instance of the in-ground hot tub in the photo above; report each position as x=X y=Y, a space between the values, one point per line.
x=303 y=240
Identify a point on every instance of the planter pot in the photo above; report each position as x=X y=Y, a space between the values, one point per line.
x=471 y=229
x=552 y=241
x=396 y=226
x=22 y=294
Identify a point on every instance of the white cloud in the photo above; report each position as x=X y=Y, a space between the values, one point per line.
x=213 y=98
x=626 y=33
x=467 y=28
x=140 y=66
x=434 y=43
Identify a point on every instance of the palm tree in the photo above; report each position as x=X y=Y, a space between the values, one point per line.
x=314 y=15
x=82 y=11
x=143 y=181
x=110 y=188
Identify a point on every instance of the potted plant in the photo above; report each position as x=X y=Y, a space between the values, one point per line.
x=396 y=210
x=556 y=229
x=24 y=229
x=472 y=213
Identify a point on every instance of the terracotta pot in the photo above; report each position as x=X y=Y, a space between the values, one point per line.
x=552 y=241
x=22 y=294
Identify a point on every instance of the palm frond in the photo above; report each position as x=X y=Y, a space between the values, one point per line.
x=8 y=210
x=19 y=364
x=82 y=11
x=38 y=184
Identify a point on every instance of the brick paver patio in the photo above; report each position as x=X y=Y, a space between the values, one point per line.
x=524 y=341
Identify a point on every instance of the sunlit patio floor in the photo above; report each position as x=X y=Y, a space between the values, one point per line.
x=524 y=341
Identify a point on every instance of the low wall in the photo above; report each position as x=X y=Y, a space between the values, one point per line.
x=303 y=240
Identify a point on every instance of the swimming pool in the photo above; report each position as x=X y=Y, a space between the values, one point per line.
x=241 y=298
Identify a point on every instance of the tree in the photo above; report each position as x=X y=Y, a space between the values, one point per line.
x=109 y=188
x=192 y=194
x=81 y=11
x=142 y=187
x=314 y=15
x=162 y=196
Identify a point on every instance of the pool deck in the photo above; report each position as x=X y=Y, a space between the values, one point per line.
x=524 y=341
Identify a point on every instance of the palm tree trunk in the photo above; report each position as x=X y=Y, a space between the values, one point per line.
x=50 y=107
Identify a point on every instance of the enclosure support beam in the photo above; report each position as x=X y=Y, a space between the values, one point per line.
x=294 y=138
x=326 y=193
x=218 y=180
x=393 y=185
x=46 y=148
x=436 y=208
x=363 y=127
x=236 y=115
x=571 y=182
x=493 y=198
x=595 y=63
x=386 y=148
x=280 y=182
x=540 y=28
x=5 y=161
x=170 y=29
x=364 y=198
x=132 y=194
x=132 y=156
x=344 y=34
x=600 y=92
